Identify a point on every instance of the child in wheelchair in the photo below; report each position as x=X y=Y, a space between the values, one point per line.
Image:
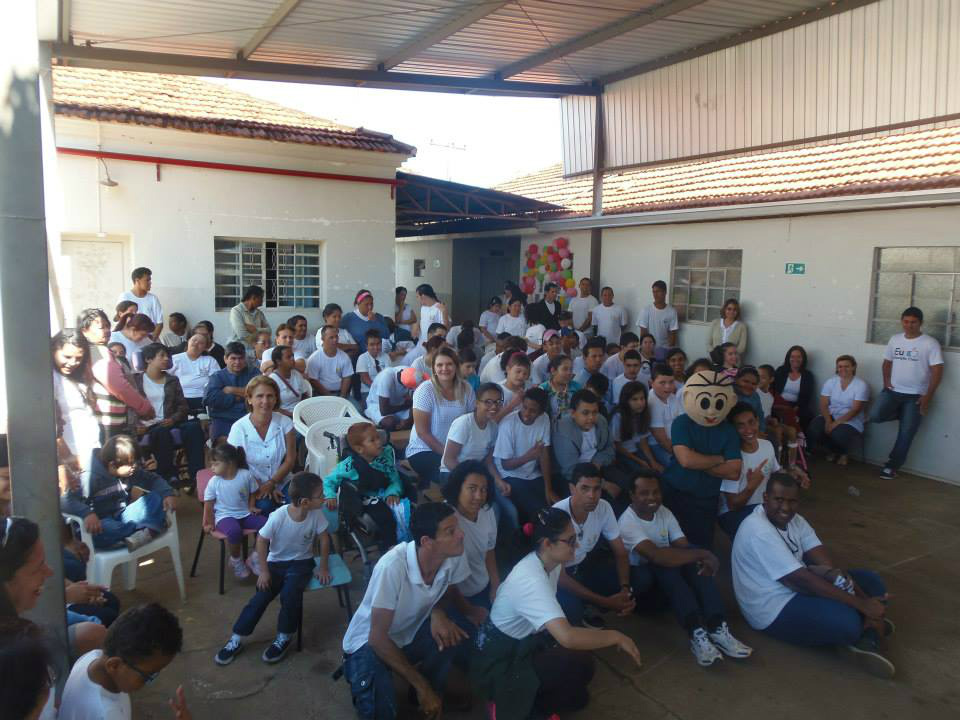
x=366 y=482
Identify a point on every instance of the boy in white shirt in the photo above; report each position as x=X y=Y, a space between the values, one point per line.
x=287 y=542
x=665 y=406
x=631 y=373
x=391 y=398
x=372 y=361
x=788 y=586
x=138 y=646
x=332 y=314
x=522 y=453
x=329 y=369
x=663 y=558
x=581 y=307
x=660 y=319
x=912 y=370
x=613 y=366
x=395 y=627
x=609 y=319
x=147 y=303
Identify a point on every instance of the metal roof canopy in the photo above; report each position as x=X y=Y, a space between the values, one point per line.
x=429 y=206
x=545 y=48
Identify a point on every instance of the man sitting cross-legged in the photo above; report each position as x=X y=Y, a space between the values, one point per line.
x=664 y=563
x=787 y=585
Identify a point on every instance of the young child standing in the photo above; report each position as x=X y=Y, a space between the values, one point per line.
x=287 y=541
x=371 y=466
x=137 y=647
x=228 y=503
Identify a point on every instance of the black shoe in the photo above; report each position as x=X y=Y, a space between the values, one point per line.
x=866 y=654
x=228 y=652
x=276 y=650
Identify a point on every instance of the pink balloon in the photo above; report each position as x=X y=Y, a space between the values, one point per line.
x=571 y=292
x=533 y=249
x=564 y=253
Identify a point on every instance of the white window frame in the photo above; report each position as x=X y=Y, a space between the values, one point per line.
x=727 y=290
x=283 y=268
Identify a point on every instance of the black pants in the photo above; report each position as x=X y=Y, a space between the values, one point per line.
x=564 y=675
x=382 y=515
x=839 y=440
x=696 y=515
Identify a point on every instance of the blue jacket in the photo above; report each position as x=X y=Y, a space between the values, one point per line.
x=221 y=405
x=568 y=440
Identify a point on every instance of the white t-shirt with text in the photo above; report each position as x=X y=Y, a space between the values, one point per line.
x=662 y=530
x=289 y=539
x=912 y=360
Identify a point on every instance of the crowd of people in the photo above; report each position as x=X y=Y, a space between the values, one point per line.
x=599 y=459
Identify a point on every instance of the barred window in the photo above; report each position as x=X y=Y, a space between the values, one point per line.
x=703 y=280
x=923 y=277
x=289 y=272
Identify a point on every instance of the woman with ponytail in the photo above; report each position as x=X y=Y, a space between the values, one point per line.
x=516 y=665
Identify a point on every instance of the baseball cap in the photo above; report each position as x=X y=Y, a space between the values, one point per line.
x=549 y=334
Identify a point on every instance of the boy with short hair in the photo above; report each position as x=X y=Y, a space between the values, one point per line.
x=745 y=386
x=372 y=361
x=613 y=365
x=468 y=366
x=287 y=542
x=137 y=647
x=665 y=406
x=609 y=319
x=632 y=362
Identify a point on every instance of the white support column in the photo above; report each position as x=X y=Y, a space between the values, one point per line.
x=24 y=300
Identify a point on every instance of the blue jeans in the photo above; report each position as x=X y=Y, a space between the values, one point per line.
x=597 y=575
x=147 y=512
x=526 y=496
x=813 y=620
x=371 y=680
x=892 y=405
x=426 y=465
x=694 y=599
x=288 y=580
x=505 y=511
x=662 y=456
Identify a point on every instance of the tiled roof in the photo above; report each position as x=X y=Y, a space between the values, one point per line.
x=188 y=103
x=916 y=160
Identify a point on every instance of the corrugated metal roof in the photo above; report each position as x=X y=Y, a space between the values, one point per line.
x=354 y=35
x=909 y=161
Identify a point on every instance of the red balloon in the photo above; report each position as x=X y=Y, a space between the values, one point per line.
x=531 y=263
x=533 y=249
x=561 y=242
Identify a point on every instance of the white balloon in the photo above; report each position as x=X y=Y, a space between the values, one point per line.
x=565 y=263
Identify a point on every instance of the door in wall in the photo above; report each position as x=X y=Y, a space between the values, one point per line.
x=92 y=273
x=480 y=267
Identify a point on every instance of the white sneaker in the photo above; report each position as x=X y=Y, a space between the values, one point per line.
x=239 y=569
x=728 y=644
x=253 y=562
x=703 y=650
x=138 y=539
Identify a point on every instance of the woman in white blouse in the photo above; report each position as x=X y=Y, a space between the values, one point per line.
x=78 y=428
x=268 y=439
x=728 y=328
x=516 y=665
x=291 y=382
x=843 y=400
x=436 y=404
x=431 y=310
x=193 y=369
x=513 y=322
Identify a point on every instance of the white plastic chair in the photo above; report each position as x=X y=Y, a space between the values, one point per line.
x=102 y=562
x=326 y=407
x=321 y=451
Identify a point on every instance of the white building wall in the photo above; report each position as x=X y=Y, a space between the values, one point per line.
x=168 y=218
x=826 y=310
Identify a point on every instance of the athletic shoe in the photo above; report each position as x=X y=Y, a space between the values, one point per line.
x=842 y=461
x=253 y=562
x=724 y=641
x=228 y=652
x=703 y=650
x=595 y=622
x=888 y=473
x=865 y=654
x=138 y=539
x=276 y=650
x=239 y=569
x=888 y=627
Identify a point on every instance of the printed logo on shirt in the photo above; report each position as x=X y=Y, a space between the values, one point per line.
x=307 y=536
x=911 y=354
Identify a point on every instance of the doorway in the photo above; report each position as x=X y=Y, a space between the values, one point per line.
x=91 y=273
x=480 y=267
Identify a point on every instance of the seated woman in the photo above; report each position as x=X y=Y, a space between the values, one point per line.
x=194 y=368
x=134 y=332
x=293 y=385
x=436 y=404
x=268 y=440
x=843 y=400
x=516 y=666
x=630 y=429
x=104 y=500
x=729 y=328
x=513 y=321
x=170 y=407
x=793 y=388
x=362 y=320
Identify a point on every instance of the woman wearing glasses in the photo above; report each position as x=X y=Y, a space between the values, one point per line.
x=516 y=664
x=472 y=437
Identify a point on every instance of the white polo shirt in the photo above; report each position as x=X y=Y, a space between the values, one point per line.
x=762 y=554
x=398 y=585
x=479 y=538
x=600 y=521
x=527 y=599
x=264 y=455
x=329 y=371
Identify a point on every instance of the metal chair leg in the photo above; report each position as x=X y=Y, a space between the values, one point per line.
x=223 y=562
x=300 y=629
x=196 y=557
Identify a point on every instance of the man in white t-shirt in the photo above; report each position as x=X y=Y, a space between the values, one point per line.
x=787 y=584
x=609 y=319
x=660 y=319
x=582 y=307
x=664 y=562
x=522 y=453
x=391 y=398
x=147 y=303
x=401 y=622
x=912 y=371
x=589 y=578
x=329 y=370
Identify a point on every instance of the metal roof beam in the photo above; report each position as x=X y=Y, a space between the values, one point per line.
x=441 y=33
x=801 y=18
x=118 y=59
x=595 y=37
x=276 y=18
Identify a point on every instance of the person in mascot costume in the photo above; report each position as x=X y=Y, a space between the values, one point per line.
x=706 y=451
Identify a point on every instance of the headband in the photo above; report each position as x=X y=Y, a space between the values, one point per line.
x=361 y=297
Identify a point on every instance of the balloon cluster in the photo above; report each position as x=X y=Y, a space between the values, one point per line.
x=552 y=263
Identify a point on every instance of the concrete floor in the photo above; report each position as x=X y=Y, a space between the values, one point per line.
x=909 y=530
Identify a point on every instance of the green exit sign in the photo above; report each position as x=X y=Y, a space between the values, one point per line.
x=795 y=269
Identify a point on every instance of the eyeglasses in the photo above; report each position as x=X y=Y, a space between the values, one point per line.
x=492 y=403
x=145 y=676
x=572 y=541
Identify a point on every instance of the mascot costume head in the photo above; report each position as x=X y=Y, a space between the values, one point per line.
x=708 y=397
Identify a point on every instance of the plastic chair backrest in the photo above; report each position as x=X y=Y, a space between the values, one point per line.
x=319 y=444
x=313 y=410
x=203 y=479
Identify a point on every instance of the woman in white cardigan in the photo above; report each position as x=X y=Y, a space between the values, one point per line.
x=728 y=328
